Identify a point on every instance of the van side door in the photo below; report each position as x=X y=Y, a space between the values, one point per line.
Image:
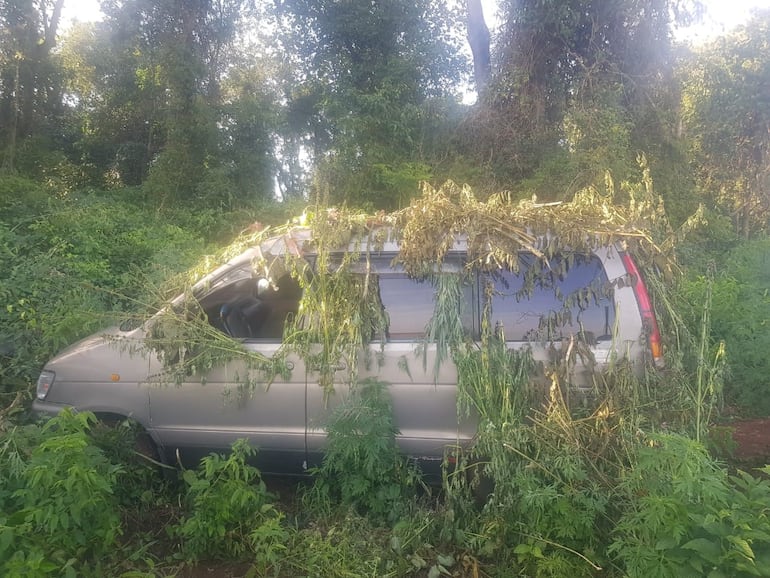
x=422 y=386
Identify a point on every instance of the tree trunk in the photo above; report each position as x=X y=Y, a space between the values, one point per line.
x=478 y=38
x=11 y=159
x=52 y=26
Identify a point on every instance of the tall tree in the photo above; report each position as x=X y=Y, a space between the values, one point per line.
x=574 y=81
x=369 y=77
x=29 y=87
x=162 y=88
x=478 y=39
x=726 y=119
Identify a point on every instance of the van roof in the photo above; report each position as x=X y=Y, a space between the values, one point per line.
x=450 y=219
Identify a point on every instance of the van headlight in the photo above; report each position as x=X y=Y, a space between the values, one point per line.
x=44 y=383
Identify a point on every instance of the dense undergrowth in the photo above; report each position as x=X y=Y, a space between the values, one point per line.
x=74 y=506
x=75 y=263
x=616 y=483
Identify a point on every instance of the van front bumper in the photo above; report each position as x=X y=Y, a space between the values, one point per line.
x=47 y=409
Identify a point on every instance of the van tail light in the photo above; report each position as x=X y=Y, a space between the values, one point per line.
x=645 y=307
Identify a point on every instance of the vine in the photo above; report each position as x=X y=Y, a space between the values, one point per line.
x=340 y=311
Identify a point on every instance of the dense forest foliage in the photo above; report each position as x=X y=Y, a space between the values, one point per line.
x=130 y=142
x=133 y=146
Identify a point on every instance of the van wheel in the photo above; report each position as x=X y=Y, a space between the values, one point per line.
x=475 y=482
x=125 y=441
x=483 y=490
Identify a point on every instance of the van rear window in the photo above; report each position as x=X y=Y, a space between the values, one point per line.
x=546 y=303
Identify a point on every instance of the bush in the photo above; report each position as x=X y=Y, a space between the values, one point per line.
x=229 y=510
x=60 y=513
x=684 y=516
x=740 y=313
x=70 y=266
x=20 y=198
x=362 y=467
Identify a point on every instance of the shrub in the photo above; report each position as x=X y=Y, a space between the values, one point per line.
x=142 y=486
x=684 y=516
x=69 y=266
x=362 y=467
x=62 y=515
x=20 y=198
x=229 y=510
x=740 y=312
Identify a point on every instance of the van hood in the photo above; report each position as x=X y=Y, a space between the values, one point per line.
x=109 y=355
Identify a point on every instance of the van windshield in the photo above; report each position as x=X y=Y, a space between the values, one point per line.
x=208 y=286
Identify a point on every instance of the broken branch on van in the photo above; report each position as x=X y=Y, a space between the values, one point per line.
x=499 y=230
x=310 y=286
x=188 y=345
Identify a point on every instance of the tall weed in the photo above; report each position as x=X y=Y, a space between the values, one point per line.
x=739 y=313
x=555 y=458
x=362 y=467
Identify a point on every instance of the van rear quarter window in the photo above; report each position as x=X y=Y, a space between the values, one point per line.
x=552 y=302
x=537 y=303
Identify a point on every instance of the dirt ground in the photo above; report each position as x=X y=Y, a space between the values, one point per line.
x=751 y=439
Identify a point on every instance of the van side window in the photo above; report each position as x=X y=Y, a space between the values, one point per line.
x=539 y=304
x=282 y=304
x=410 y=303
x=252 y=308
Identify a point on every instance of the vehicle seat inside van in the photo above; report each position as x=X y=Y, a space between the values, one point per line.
x=243 y=317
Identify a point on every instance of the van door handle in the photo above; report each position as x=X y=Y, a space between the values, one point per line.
x=341 y=366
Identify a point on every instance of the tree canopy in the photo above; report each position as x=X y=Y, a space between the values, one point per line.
x=223 y=102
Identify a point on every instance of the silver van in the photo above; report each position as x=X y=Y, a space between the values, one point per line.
x=113 y=375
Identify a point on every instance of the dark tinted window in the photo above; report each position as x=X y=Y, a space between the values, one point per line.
x=555 y=303
x=409 y=302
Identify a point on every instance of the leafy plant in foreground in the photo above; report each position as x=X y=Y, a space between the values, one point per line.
x=684 y=516
x=229 y=508
x=362 y=466
x=142 y=487
x=64 y=515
